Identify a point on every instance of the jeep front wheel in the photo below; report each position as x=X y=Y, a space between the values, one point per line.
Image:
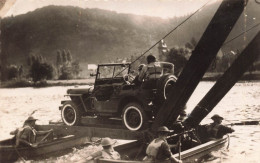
x=133 y=116
x=70 y=114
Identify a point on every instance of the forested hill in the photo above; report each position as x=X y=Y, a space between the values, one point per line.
x=94 y=35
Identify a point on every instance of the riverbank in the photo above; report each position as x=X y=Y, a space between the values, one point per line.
x=209 y=76
x=48 y=83
x=213 y=76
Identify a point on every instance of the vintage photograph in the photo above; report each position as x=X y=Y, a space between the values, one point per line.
x=131 y=81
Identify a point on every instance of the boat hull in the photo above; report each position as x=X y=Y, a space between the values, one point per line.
x=57 y=147
x=190 y=155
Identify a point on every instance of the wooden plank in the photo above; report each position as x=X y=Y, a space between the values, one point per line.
x=201 y=58
x=225 y=83
x=95 y=131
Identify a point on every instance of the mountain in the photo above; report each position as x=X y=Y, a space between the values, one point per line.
x=87 y=33
x=98 y=36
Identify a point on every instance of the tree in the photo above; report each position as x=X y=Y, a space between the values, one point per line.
x=58 y=61
x=67 y=69
x=69 y=57
x=12 y=72
x=64 y=57
x=66 y=73
x=76 y=68
x=40 y=70
x=179 y=57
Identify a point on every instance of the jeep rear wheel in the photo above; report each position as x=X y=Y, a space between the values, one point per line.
x=133 y=116
x=70 y=114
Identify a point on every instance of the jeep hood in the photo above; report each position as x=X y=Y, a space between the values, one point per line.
x=80 y=90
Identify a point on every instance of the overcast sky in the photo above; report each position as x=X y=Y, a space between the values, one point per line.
x=159 y=8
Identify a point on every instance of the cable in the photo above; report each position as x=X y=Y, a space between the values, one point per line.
x=170 y=32
x=164 y=37
x=241 y=34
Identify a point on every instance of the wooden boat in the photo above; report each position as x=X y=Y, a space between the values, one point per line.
x=63 y=143
x=189 y=155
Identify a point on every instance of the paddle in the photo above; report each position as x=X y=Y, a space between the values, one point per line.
x=44 y=138
x=253 y=122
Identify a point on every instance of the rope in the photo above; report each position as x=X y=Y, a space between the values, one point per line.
x=170 y=32
x=241 y=34
x=257 y=1
x=19 y=154
x=165 y=36
x=228 y=141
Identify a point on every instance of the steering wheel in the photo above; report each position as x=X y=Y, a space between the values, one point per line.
x=128 y=78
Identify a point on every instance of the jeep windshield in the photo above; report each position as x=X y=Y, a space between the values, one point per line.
x=106 y=71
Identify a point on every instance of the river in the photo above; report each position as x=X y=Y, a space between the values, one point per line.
x=241 y=103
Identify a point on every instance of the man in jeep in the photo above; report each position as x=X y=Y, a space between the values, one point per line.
x=151 y=71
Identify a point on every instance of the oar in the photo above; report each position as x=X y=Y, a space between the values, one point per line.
x=180 y=147
x=254 y=122
x=36 y=144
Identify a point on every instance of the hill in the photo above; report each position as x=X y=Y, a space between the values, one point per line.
x=98 y=36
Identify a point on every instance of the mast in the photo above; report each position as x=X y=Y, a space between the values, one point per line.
x=201 y=58
x=225 y=83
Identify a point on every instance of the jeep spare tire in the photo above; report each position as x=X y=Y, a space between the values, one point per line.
x=70 y=114
x=165 y=85
x=133 y=116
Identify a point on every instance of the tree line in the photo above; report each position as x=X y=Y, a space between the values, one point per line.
x=39 y=68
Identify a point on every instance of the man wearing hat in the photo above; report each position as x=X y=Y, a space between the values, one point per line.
x=107 y=152
x=216 y=129
x=27 y=134
x=159 y=149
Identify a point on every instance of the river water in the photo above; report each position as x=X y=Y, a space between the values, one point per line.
x=241 y=103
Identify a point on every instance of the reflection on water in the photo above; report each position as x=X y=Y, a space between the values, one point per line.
x=241 y=103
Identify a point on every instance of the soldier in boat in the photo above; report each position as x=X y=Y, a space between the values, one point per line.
x=27 y=135
x=159 y=149
x=107 y=152
x=216 y=129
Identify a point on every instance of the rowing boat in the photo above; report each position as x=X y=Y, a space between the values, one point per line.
x=62 y=143
x=190 y=155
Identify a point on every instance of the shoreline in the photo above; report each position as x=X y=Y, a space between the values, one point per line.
x=22 y=83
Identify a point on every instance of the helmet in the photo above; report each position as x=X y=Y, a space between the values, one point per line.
x=140 y=67
x=216 y=116
x=150 y=58
x=164 y=129
x=106 y=142
x=31 y=118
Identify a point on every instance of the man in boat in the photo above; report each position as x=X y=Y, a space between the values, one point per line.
x=216 y=129
x=27 y=135
x=151 y=71
x=159 y=149
x=107 y=152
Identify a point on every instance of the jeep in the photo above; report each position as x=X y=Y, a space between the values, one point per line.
x=114 y=95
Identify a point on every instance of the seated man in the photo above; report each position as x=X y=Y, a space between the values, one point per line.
x=107 y=152
x=216 y=129
x=150 y=72
x=159 y=150
x=136 y=79
x=27 y=135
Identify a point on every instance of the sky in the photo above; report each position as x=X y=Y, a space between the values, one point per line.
x=158 y=8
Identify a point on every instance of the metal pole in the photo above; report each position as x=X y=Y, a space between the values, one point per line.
x=216 y=33
x=225 y=83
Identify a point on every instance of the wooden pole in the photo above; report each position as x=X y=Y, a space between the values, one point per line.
x=225 y=83
x=201 y=58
